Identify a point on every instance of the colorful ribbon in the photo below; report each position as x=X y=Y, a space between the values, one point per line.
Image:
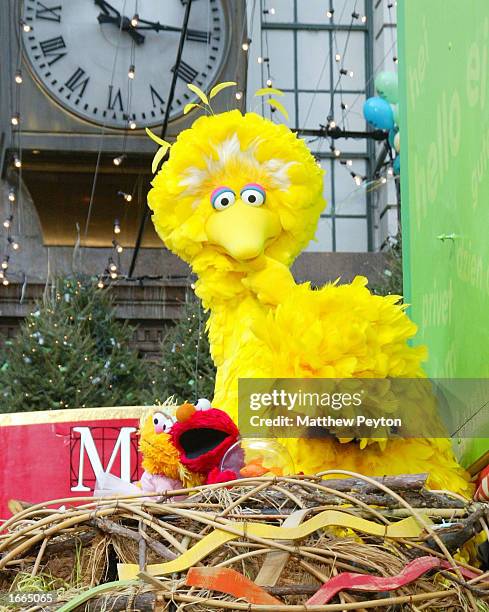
x=363 y=582
x=407 y=528
x=229 y=581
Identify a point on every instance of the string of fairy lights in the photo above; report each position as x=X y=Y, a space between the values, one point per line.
x=386 y=172
x=381 y=179
x=112 y=266
x=112 y=270
x=12 y=244
x=359 y=179
x=344 y=71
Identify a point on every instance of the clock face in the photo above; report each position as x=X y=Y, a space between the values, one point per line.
x=82 y=52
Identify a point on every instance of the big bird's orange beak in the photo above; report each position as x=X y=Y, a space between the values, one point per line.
x=184 y=412
x=243 y=230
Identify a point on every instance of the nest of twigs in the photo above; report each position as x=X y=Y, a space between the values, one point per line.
x=75 y=548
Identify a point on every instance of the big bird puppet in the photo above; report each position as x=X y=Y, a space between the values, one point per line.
x=238 y=199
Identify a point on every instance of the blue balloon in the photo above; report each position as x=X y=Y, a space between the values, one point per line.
x=397 y=165
x=392 y=135
x=378 y=112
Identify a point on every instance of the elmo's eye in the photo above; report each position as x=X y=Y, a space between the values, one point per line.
x=253 y=194
x=222 y=198
x=203 y=404
x=162 y=422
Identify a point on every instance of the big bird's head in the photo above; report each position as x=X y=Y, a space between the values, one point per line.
x=237 y=187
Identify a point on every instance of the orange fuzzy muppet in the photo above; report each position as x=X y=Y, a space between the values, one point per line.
x=163 y=470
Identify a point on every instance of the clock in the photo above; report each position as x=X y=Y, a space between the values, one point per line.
x=111 y=63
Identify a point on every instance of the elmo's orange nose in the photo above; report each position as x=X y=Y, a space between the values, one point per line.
x=184 y=412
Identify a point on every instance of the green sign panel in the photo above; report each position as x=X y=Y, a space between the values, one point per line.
x=444 y=117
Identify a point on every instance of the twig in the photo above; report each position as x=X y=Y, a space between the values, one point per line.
x=108 y=526
x=39 y=556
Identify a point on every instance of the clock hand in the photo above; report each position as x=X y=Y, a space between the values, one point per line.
x=125 y=27
x=156 y=26
x=122 y=22
x=198 y=35
x=106 y=7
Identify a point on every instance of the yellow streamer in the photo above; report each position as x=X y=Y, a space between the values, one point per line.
x=407 y=528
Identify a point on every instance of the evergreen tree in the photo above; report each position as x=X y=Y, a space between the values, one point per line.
x=185 y=369
x=71 y=352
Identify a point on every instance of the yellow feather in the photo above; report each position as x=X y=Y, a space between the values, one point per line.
x=157 y=158
x=264 y=91
x=157 y=139
x=219 y=87
x=279 y=106
x=199 y=93
x=189 y=107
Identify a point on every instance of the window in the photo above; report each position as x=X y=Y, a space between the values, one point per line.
x=303 y=52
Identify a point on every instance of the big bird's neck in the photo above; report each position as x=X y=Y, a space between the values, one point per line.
x=235 y=297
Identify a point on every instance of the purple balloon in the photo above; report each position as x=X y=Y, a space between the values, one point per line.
x=378 y=113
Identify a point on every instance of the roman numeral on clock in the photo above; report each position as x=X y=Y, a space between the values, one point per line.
x=51 y=48
x=198 y=36
x=115 y=99
x=48 y=13
x=77 y=82
x=156 y=96
x=186 y=72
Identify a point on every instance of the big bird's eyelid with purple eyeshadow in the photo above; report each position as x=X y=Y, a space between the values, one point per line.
x=256 y=192
x=222 y=197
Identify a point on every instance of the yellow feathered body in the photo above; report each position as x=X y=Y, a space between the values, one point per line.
x=262 y=324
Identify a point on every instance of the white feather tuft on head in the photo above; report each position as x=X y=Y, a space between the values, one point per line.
x=230 y=150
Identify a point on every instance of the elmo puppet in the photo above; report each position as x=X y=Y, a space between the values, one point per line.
x=202 y=435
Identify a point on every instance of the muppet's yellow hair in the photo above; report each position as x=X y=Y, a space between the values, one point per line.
x=159 y=454
x=233 y=149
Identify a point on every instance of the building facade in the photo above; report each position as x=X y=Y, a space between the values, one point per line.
x=69 y=208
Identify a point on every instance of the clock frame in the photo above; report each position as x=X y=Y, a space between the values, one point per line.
x=102 y=94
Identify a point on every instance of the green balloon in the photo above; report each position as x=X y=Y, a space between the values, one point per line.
x=387 y=86
x=395 y=112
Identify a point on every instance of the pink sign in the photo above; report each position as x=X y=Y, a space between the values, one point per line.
x=56 y=454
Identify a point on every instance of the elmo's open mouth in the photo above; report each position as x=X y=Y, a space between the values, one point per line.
x=202 y=440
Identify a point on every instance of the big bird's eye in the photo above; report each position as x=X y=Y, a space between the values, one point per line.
x=222 y=198
x=162 y=422
x=253 y=194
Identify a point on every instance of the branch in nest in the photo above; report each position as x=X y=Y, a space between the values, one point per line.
x=404 y=482
x=455 y=536
x=417 y=499
x=144 y=602
x=115 y=529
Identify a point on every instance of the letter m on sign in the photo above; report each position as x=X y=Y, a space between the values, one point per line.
x=95 y=450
